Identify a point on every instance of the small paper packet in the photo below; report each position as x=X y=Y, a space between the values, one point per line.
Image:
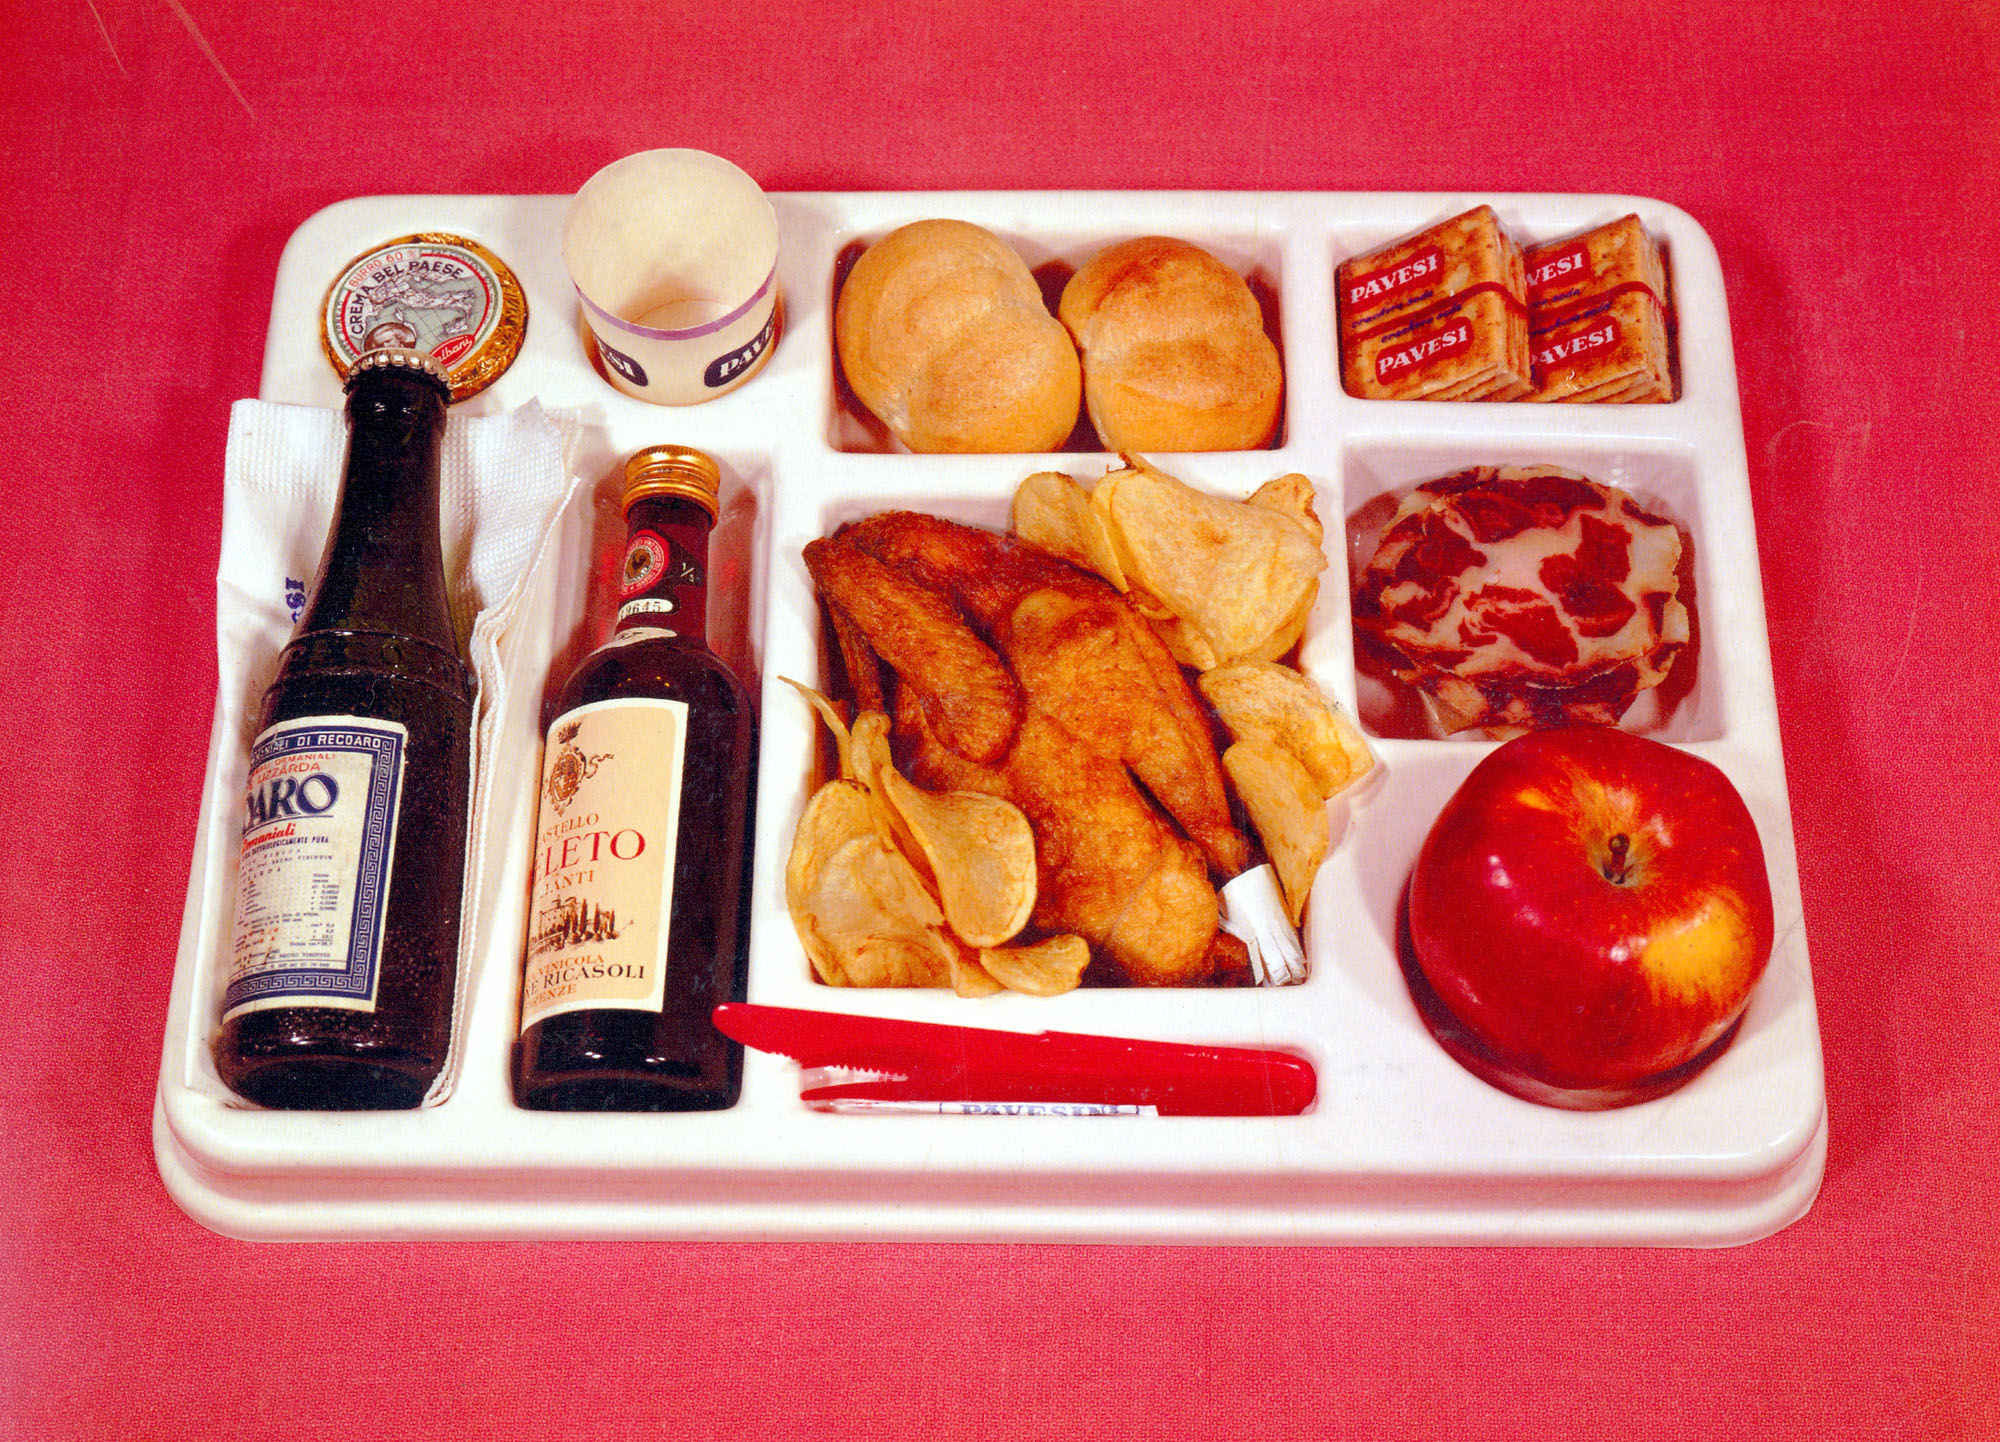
x=1440 y=316
x=1253 y=911
x=1598 y=319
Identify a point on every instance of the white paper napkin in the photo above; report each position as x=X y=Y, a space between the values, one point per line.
x=504 y=479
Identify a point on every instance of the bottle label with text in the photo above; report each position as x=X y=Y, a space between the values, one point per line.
x=319 y=835
x=601 y=893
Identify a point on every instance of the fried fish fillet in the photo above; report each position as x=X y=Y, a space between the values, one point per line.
x=1108 y=867
x=1079 y=650
x=1095 y=701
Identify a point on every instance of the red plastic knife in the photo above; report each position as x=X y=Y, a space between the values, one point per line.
x=914 y=1061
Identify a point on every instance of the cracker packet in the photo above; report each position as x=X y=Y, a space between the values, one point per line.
x=1598 y=319
x=1440 y=316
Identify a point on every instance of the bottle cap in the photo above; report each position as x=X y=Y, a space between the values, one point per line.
x=441 y=294
x=673 y=471
x=400 y=358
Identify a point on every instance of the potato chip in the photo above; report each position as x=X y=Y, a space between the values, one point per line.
x=1103 y=496
x=1259 y=701
x=1053 y=512
x=830 y=714
x=1287 y=811
x=883 y=961
x=1281 y=641
x=861 y=913
x=870 y=744
x=969 y=977
x=1239 y=574
x=1292 y=495
x=862 y=935
x=1185 y=644
x=981 y=853
x=836 y=814
x=1047 y=968
x=892 y=885
x=868 y=758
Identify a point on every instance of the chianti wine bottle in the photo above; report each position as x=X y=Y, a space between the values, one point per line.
x=638 y=908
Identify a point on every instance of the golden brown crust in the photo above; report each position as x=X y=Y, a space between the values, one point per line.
x=943 y=334
x=1080 y=651
x=1175 y=357
x=1109 y=867
x=1109 y=745
x=919 y=634
x=1090 y=661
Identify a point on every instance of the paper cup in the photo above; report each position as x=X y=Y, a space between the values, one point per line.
x=674 y=254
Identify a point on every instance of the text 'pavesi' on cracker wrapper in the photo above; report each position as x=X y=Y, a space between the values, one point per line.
x=1598 y=322
x=1440 y=316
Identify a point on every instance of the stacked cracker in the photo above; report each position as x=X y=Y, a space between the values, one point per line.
x=1598 y=317
x=1442 y=316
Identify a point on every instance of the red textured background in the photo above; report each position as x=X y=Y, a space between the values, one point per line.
x=1842 y=157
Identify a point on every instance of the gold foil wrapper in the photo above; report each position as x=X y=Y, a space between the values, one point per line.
x=431 y=291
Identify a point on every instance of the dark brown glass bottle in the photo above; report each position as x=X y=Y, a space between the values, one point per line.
x=345 y=949
x=638 y=913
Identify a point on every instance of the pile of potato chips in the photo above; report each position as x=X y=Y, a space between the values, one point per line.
x=1294 y=751
x=892 y=885
x=1220 y=580
x=1227 y=585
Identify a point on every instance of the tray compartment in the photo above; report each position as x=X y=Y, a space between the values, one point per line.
x=1665 y=475
x=1054 y=254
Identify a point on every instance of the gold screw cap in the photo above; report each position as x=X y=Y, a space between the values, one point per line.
x=673 y=471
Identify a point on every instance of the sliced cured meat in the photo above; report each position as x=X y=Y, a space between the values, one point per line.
x=1520 y=597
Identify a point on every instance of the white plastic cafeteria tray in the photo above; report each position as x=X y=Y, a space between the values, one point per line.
x=1401 y=1146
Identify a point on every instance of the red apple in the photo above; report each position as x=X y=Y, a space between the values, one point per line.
x=1591 y=910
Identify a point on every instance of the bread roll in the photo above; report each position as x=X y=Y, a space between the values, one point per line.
x=944 y=335
x=1174 y=352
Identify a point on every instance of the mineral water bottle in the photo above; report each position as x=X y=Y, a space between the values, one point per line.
x=344 y=954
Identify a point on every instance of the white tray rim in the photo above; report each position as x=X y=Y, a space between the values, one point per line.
x=1265 y=1180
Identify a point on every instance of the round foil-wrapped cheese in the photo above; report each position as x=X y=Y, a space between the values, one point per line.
x=1523 y=597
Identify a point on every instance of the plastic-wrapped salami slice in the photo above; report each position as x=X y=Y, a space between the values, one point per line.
x=1517 y=598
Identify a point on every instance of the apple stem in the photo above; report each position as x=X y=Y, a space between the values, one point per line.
x=1615 y=871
